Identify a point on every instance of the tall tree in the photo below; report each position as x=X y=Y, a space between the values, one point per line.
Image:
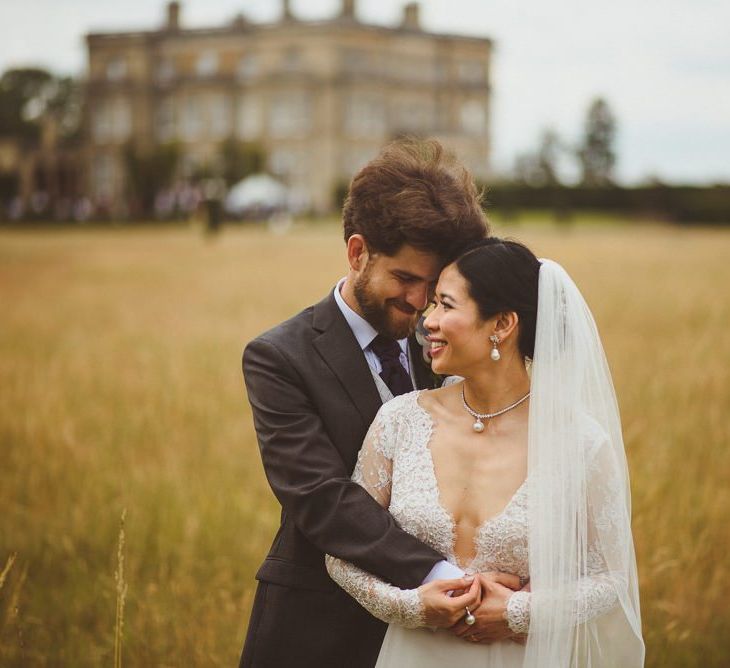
x=65 y=104
x=541 y=168
x=23 y=98
x=29 y=94
x=596 y=153
x=525 y=169
x=548 y=154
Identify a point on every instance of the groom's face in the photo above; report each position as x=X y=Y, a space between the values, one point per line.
x=393 y=290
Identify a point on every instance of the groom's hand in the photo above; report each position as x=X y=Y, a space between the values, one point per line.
x=490 y=624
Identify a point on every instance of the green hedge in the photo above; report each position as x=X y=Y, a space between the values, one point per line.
x=681 y=204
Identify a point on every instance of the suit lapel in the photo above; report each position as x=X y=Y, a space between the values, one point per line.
x=338 y=347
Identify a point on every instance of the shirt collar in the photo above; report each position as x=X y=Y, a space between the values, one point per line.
x=364 y=332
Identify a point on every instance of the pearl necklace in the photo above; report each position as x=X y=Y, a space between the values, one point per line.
x=478 y=426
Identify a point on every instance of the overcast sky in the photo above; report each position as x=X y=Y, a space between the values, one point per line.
x=663 y=65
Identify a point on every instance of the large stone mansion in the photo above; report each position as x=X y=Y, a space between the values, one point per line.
x=320 y=97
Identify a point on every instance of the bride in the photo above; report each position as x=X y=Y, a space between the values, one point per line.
x=507 y=471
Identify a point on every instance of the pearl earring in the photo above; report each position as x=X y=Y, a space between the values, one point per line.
x=495 y=351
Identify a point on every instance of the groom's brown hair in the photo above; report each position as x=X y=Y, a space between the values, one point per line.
x=415 y=192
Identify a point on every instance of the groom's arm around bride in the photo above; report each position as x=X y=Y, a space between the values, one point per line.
x=315 y=385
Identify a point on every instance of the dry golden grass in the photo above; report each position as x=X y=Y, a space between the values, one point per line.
x=121 y=388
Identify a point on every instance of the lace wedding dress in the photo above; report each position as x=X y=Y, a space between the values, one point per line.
x=396 y=468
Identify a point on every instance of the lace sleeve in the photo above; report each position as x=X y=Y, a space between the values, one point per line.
x=373 y=472
x=374 y=466
x=598 y=591
x=593 y=595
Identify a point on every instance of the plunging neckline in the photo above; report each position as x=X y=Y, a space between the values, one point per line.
x=437 y=496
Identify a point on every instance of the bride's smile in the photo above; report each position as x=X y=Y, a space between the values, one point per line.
x=458 y=336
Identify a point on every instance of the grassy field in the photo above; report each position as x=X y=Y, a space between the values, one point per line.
x=121 y=389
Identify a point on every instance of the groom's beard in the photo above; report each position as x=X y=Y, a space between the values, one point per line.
x=392 y=317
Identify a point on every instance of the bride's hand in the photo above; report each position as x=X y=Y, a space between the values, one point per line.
x=490 y=622
x=443 y=609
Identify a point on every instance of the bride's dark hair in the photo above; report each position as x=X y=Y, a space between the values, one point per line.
x=502 y=276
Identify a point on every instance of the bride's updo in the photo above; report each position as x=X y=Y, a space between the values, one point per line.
x=502 y=276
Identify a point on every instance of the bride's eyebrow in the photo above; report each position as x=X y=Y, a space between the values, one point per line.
x=445 y=295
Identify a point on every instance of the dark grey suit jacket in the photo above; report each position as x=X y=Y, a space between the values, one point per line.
x=313 y=398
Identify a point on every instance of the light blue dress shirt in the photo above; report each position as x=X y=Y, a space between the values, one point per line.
x=365 y=333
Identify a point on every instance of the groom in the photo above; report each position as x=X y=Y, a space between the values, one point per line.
x=315 y=383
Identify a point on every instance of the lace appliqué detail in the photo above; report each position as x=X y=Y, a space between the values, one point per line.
x=594 y=596
x=382 y=600
x=396 y=468
x=518 y=612
x=501 y=542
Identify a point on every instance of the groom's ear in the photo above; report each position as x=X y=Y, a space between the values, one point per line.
x=357 y=252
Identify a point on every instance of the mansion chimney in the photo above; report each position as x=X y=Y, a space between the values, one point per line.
x=411 y=19
x=348 y=9
x=173 y=16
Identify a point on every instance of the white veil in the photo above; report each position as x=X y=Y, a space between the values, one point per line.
x=584 y=609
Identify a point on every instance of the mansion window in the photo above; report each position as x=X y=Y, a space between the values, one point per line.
x=192 y=121
x=411 y=68
x=248 y=67
x=116 y=69
x=250 y=117
x=206 y=115
x=414 y=114
x=441 y=70
x=103 y=176
x=219 y=115
x=165 y=71
x=355 y=60
x=473 y=116
x=112 y=121
x=365 y=115
x=292 y=60
x=444 y=119
x=472 y=71
x=291 y=114
x=166 y=121
x=207 y=64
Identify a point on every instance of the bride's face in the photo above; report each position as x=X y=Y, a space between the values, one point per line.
x=459 y=337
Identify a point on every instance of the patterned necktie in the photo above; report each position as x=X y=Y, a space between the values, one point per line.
x=393 y=373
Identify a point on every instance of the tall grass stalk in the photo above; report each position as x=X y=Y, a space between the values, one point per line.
x=6 y=569
x=121 y=594
x=13 y=650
